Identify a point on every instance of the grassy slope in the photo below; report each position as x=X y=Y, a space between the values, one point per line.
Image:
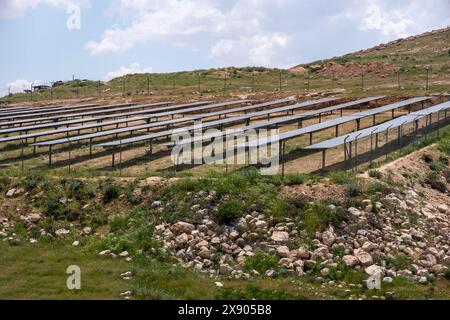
x=39 y=272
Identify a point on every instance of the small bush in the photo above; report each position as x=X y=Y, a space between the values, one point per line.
x=261 y=262
x=437 y=166
x=319 y=216
x=443 y=160
x=295 y=179
x=373 y=188
x=375 y=174
x=353 y=189
x=427 y=158
x=110 y=193
x=435 y=181
x=342 y=177
x=400 y=261
x=447 y=274
x=32 y=182
x=230 y=211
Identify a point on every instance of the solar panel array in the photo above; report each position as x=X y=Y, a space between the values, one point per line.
x=334 y=122
x=332 y=143
x=170 y=122
x=285 y=120
x=216 y=123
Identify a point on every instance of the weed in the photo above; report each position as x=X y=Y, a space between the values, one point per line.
x=230 y=211
x=375 y=174
x=110 y=193
x=261 y=262
x=319 y=216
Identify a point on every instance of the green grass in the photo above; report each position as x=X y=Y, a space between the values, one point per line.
x=39 y=272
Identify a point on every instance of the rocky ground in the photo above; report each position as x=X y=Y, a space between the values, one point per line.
x=399 y=229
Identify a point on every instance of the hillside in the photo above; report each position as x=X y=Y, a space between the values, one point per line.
x=409 y=55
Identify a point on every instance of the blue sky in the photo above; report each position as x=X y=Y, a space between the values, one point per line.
x=123 y=36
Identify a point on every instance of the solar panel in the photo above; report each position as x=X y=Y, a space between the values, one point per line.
x=39 y=114
x=213 y=123
x=56 y=109
x=106 y=117
x=332 y=143
x=152 y=125
x=297 y=118
x=332 y=123
x=127 y=114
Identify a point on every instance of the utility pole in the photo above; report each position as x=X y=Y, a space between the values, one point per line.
x=31 y=91
x=51 y=90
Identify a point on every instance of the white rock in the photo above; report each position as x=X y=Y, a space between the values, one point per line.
x=62 y=232
x=33 y=241
x=442 y=208
x=388 y=280
x=280 y=236
x=363 y=257
x=270 y=273
x=219 y=284
x=124 y=254
x=104 y=252
x=350 y=261
x=355 y=212
x=87 y=231
x=328 y=238
x=11 y=193
x=373 y=270
x=283 y=252
x=76 y=243
x=423 y=280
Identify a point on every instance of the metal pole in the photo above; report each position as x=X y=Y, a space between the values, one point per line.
x=21 y=155
x=324 y=159
x=280 y=80
x=120 y=158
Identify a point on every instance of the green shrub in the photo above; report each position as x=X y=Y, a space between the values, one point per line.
x=443 y=160
x=373 y=188
x=319 y=216
x=342 y=177
x=261 y=262
x=110 y=192
x=254 y=293
x=427 y=158
x=32 y=182
x=435 y=181
x=229 y=211
x=118 y=223
x=295 y=179
x=353 y=189
x=375 y=174
x=400 y=261
x=447 y=274
x=437 y=166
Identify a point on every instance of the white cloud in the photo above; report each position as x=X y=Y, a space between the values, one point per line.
x=233 y=31
x=10 y=9
x=133 y=68
x=20 y=85
x=389 y=23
